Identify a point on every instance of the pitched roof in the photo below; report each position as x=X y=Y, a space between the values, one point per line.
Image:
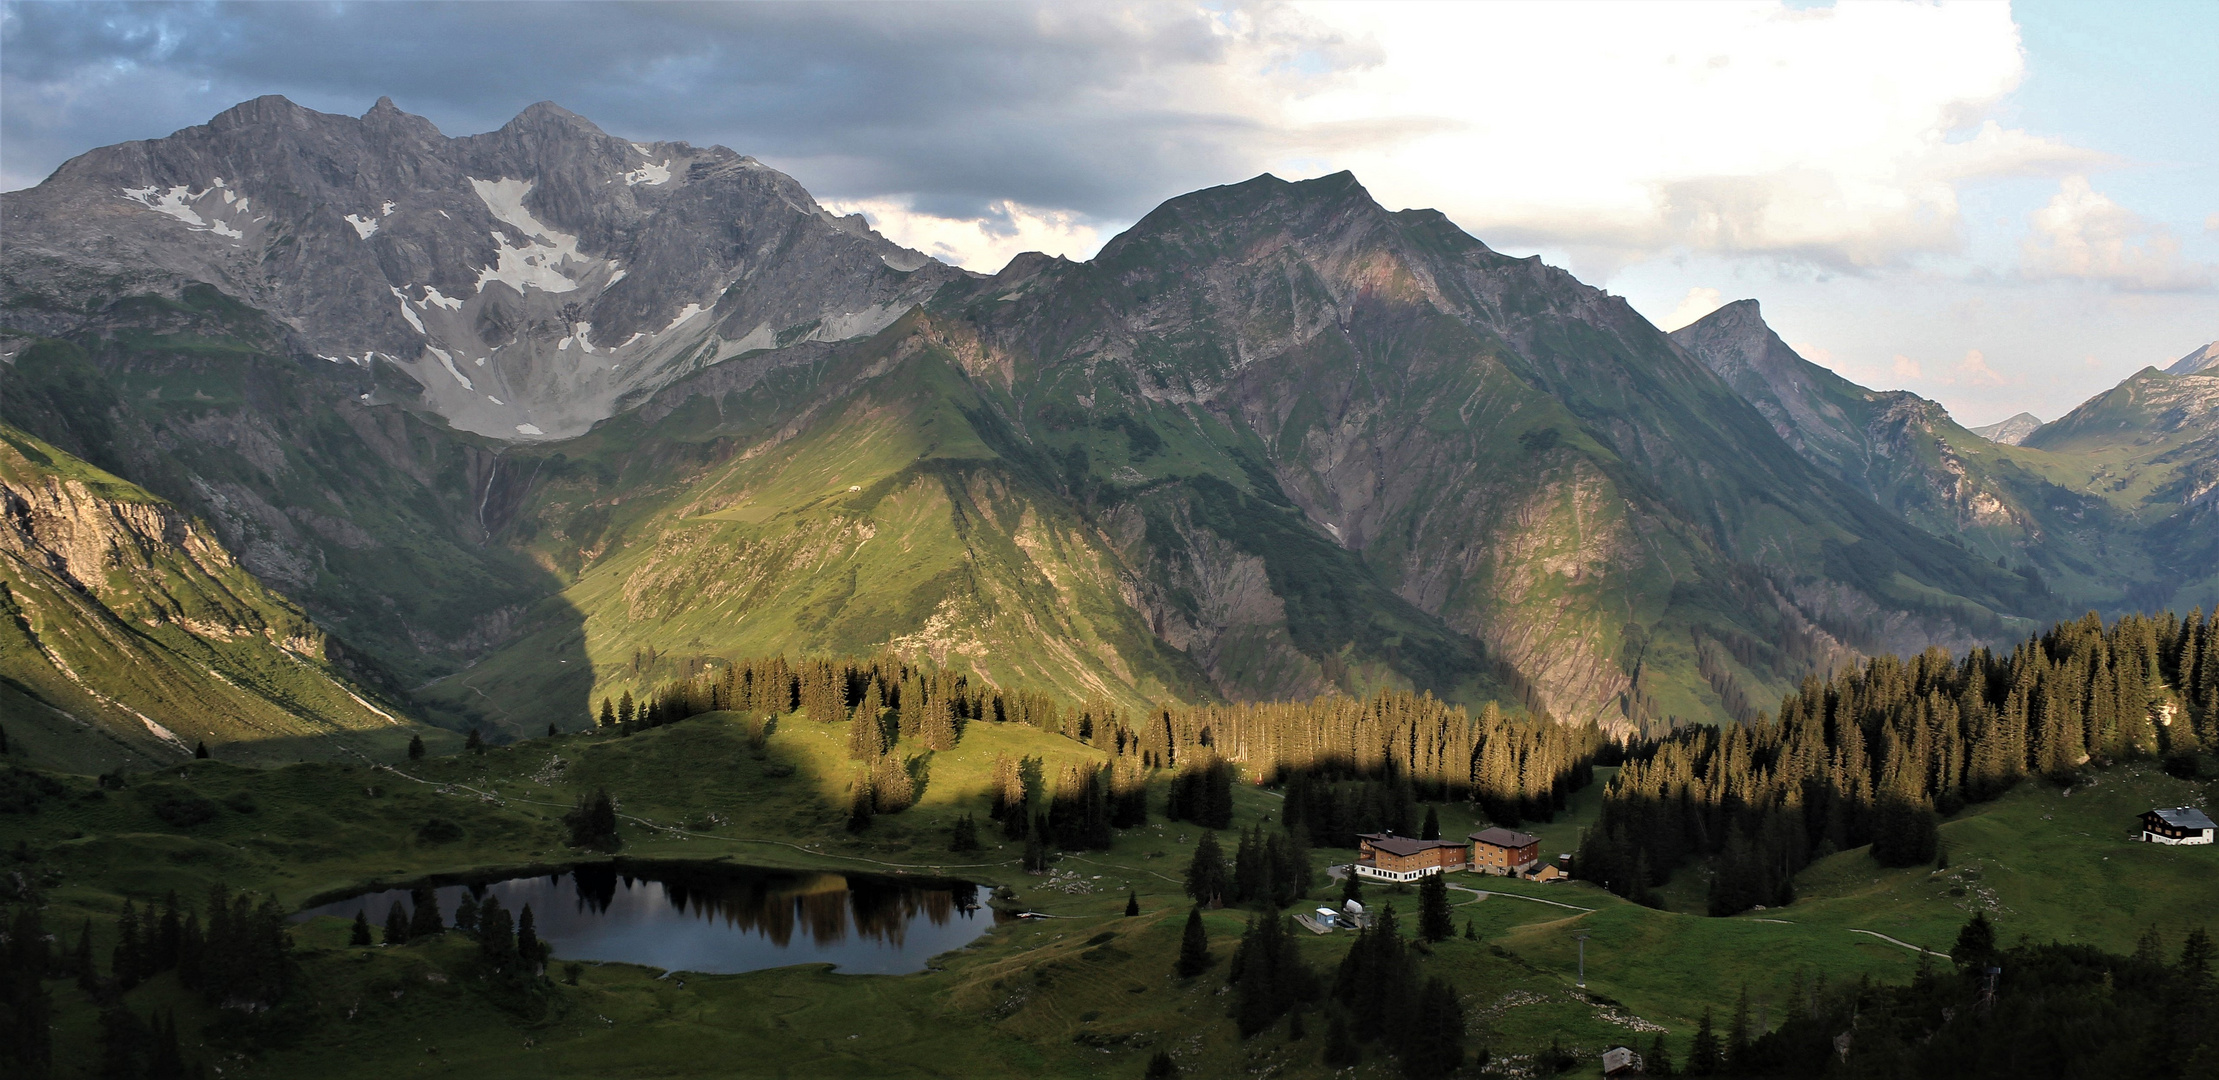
x=1505 y=838
x=1403 y=845
x=2185 y=817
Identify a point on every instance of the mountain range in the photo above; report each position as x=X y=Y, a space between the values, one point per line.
x=516 y=421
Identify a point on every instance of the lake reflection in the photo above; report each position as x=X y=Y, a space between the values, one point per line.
x=721 y=920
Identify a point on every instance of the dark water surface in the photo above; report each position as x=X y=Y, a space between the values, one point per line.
x=722 y=920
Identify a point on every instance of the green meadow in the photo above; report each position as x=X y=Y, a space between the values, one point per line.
x=1086 y=991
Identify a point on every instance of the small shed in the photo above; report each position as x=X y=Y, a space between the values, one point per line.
x=1621 y=1061
x=1504 y=851
x=2179 y=825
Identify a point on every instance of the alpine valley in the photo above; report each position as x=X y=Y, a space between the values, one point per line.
x=857 y=659
x=489 y=428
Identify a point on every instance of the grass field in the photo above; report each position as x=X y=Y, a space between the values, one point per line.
x=1046 y=997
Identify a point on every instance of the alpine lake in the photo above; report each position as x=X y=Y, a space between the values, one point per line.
x=719 y=920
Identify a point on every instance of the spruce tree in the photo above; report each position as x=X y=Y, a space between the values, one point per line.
x=529 y=948
x=1704 y=1056
x=1435 y=922
x=1206 y=879
x=496 y=935
x=1434 y=1047
x=608 y=712
x=416 y=748
x=200 y=750
x=466 y=913
x=964 y=837
x=1132 y=903
x=127 y=964
x=625 y=709
x=1161 y=1067
x=1976 y=942
x=396 y=925
x=592 y=822
x=475 y=743
x=1194 y=946
x=1658 y=1061
x=1341 y=1048
x=424 y=919
x=1737 y=1033
x=1267 y=976
x=164 y=1060
x=1432 y=828
x=361 y=935
x=859 y=803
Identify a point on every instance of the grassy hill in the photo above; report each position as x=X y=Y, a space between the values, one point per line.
x=132 y=635
x=1046 y=997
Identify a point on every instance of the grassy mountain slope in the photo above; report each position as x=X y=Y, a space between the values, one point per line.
x=2149 y=448
x=868 y=501
x=2049 y=508
x=131 y=634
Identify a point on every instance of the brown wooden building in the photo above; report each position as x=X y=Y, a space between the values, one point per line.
x=1504 y=851
x=1387 y=857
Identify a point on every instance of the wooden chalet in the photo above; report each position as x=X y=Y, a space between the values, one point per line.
x=1387 y=857
x=1621 y=1061
x=2179 y=825
x=1504 y=851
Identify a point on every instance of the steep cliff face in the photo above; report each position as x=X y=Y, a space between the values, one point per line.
x=529 y=280
x=131 y=634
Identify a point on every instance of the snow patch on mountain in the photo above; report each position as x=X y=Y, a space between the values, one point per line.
x=652 y=175
x=171 y=202
x=364 y=227
x=448 y=361
x=406 y=313
x=538 y=262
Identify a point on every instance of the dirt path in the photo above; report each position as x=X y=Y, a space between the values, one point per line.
x=1905 y=944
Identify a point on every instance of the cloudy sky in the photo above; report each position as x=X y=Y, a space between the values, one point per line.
x=2003 y=207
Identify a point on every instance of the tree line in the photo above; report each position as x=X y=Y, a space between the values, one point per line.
x=1514 y=766
x=1880 y=752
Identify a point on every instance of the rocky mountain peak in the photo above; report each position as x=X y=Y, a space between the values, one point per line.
x=2197 y=362
x=2010 y=432
x=528 y=281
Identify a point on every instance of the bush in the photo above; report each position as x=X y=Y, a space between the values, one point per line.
x=177 y=807
x=21 y=791
x=438 y=831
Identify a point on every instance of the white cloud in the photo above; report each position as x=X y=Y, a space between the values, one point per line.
x=1974 y=370
x=1836 y=136
x=2083 y=234
x=984 y=244
x=1907 y=368
x=1699 y=301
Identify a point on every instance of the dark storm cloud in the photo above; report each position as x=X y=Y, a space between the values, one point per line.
x=955 y=105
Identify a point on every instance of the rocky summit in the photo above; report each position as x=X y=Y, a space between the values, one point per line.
x=524 y=420
x=530 y=281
